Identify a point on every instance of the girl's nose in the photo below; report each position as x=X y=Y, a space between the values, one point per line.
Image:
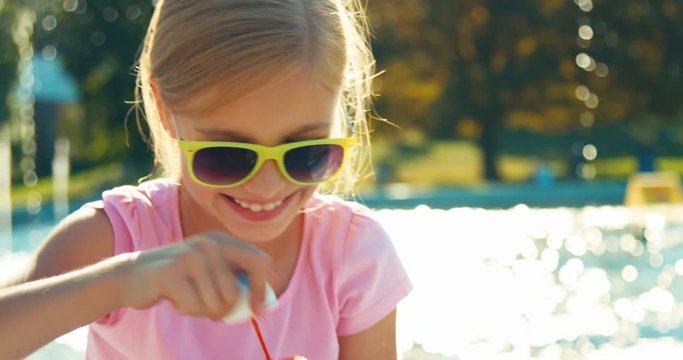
x=267 y=182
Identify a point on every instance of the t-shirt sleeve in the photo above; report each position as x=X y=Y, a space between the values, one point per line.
x=118 y=207
x=370 y=277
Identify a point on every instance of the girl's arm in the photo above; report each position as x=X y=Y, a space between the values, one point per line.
x=37 y=312
x=377 y=342
x=197 y=276
x=37 y=306
x=83 y=238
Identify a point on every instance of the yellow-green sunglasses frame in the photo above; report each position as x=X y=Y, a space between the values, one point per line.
x=263 y=153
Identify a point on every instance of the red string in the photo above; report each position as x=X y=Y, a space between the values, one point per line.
x=260 y=338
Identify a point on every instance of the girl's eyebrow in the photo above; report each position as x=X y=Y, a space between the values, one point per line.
x=241 y=137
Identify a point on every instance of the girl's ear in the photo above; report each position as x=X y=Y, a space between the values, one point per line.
x=162 y=110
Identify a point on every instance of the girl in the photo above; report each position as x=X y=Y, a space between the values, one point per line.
x=256 y=108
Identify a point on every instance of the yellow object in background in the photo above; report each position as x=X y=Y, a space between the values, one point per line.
x=653 y=188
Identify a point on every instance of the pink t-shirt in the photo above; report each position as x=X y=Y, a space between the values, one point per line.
x=347 y=277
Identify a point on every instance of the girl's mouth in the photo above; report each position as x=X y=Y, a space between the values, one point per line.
x=257 y=207
x=257 y=211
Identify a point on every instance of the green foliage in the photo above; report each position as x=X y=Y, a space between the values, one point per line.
x=98 y=42
x=465 y=69
x=82 y=186
x=469 y=68
x=8 y=57
x=641 y=41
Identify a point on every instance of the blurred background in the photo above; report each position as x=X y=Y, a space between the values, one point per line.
x=509 y=92
x=547 y=113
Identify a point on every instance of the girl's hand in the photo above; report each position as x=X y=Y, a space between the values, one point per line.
x=198 y=276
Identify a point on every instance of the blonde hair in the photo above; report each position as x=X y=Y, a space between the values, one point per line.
x=193 y=45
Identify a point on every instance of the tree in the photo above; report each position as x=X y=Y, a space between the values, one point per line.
x=494 y=61
x=98 y=42
x=473 y=67
x=639 y=44
x=8 y=58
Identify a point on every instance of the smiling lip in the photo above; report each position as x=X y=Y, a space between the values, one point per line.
x=260 y=216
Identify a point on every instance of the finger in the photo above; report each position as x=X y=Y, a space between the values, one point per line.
x=250 y=259
x=202 y=279
x=224 y=283
x=182 y=293
x=257 y=294
x=256 y=268
x=223 y=269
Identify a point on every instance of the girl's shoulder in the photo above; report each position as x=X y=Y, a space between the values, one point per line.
x=146 y=201
x=357 y=257
x=330 y=210
x=345 y=227
x=151 y=193
x=332 y=205
x=142 y=216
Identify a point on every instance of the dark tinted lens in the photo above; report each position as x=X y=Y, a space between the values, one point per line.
x=313 y=163
x=223 y=165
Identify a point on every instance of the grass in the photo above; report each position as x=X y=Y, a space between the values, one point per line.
x=459 y=163
x=445 y=163
x=81 y=185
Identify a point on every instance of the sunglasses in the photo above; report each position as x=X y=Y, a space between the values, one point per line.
x=227 y=164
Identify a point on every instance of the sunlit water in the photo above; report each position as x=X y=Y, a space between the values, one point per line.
x=591 y=283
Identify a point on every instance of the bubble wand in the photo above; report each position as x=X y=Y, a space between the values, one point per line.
x=242 y=311
x=254 y=324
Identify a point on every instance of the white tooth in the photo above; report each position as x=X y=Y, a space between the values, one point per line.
x=258 y=207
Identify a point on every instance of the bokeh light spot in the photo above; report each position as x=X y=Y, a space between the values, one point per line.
x=587 y=119
x=590 y=152
x=110 y=14
x=601 y=70
x=70 y=5
x=49 y=52
x=582 y=92
x=629 y=273
x=585 y=32
x=592 y=102
x=583 y=60
x=49 y=23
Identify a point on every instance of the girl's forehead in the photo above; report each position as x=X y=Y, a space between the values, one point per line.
x=297 y=103
x=285 y=90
